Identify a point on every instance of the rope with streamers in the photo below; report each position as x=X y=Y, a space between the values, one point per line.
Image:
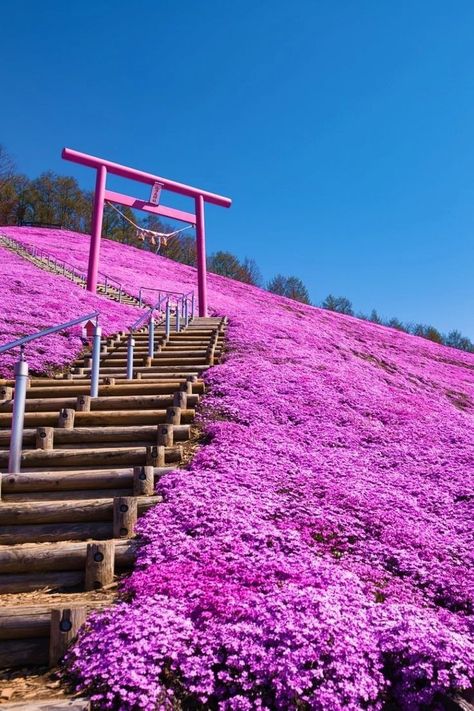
x=154 y=237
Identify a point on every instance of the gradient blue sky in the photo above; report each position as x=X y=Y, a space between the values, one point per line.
x=343 y=130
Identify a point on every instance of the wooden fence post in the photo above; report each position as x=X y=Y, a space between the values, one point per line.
x=6 y=393
x=66 y=419
x=45 y=438
x=173 y=415
x=83 y=403
x=65 y=624
x=165 y=435
x=143 y=481
x=100 y=561
x=180 y=399
x=125 y=516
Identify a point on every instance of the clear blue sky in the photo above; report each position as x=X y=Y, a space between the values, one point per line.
x=343 y=131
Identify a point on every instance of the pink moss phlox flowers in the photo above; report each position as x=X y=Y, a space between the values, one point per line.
x=318 y=552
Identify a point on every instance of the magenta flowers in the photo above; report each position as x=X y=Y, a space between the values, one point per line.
x=31 y=300
x=318 y=553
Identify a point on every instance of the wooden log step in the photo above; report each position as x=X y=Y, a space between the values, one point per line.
x=53 y=704
x=71 y=388
x=25 y=633
x=99 y=418
x=121 y=379
x=121 y=402
x=47 y=557
x=28 y=582
x=93 y=510
x=157 y=372
x=61 y=436
x=20 y=624
x=68 y=481
x=166 y=370
x=42 y=533
x=76 y=495
x=22 y=652
x=164 y=360
x=140 y=353
x=94 y=457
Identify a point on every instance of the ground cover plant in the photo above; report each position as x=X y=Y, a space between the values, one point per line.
x=318 y=553
x=32 y=299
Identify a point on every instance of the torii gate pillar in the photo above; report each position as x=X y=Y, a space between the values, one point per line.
x=96 y=231
x=201 y=255
x=102 y=194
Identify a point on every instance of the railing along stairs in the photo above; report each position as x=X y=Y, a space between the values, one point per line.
x=169 y=304
x=108 y=286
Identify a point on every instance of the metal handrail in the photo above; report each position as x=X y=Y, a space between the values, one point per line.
x=21 y=381
x=181 y=294
x=56 y=263
x=148 y=315
x=47 y=332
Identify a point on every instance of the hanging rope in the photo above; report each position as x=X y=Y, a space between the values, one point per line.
x=155 y=238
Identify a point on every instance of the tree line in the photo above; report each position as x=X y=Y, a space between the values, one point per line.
x=53 y=199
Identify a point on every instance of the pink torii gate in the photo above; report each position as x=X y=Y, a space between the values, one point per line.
x=152 y=205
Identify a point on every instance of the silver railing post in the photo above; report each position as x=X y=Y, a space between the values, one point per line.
x=151 y=336
x=130 y=347
x=95 y=361
x=177 y=324
x=18 y=417
x=167 y=320
x=185 y=304
x=192 y=306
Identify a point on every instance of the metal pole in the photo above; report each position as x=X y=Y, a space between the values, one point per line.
x=151 y=336
x=18 y=417
x=185 y=304
x=167 y=320
x=95 y=361
x=177 y=325
x=192 y=306
x=130 y=347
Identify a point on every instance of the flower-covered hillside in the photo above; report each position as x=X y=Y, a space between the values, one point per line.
x=31 y=299
x=318 y=554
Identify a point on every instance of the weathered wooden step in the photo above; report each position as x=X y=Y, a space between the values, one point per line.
x=76 y=495
x=93 y=458
x=112 y=402
x=164 y=360
x=58 y=565
x=153 y=373
x=144 y=433
x=52 y=704
x=100 y=418
x=90 y=510
x=73 y=389
x=63 y=556
x=25 y=632
x=42 y=533
x=67 y=481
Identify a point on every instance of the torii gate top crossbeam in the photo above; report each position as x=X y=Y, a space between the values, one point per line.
x=140 y=176
x=103 y=167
